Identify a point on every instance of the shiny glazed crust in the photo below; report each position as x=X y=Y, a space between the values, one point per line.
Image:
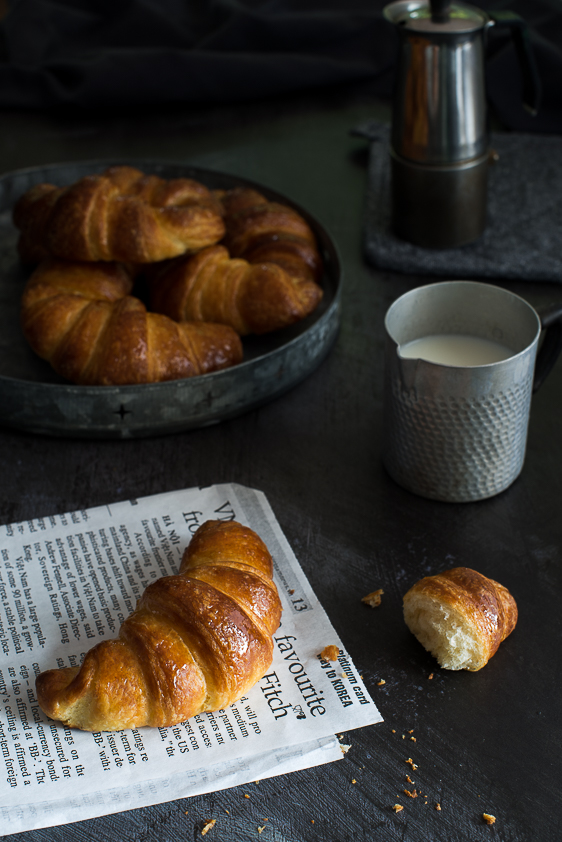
x=82 y=320
x=121 y=215
x=262 y=277
x=196 y=642
x=460 y=609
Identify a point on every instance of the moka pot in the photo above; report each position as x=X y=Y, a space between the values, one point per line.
x=440 y=152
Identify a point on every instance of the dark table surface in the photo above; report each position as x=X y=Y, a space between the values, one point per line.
x=485 y=742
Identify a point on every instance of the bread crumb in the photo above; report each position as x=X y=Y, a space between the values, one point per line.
x=344 y=748
x=430 y=676
x=413 y=739
x=410 y=781
x=411 y=763
x=246 y=795
x=394 y=730
x=411 y=731
x=353 y=781
x=412 y=794
x=261 y=829
x=208 y=826
x=397 y=808
x=438 y=806
x=488 y=818
x=373 y=599
x=381 y=682
x=330 y=653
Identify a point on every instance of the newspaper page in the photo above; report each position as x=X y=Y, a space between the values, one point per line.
x=68 y=581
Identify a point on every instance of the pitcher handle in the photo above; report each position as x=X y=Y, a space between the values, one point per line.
x=532 y=87
x=551 y=323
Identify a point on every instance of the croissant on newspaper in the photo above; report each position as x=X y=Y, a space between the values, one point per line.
x=460 y=616
x=261 y=278
x=81 y=318
x=121 y=215
x=196 y=642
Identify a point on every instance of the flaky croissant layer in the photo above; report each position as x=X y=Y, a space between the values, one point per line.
x=196 y=642
x=82 y=320
x=262 y=277
x=460 y=616
x=121 y=215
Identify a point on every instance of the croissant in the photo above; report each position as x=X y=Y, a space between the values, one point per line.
x=460 y=616
x=262 y=278
x=121 y=215
x=81 y=318
x=196 y=642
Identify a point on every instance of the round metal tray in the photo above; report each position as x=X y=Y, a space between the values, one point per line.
x=35 y=399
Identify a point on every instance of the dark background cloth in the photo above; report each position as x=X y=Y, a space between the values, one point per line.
x=134 y=53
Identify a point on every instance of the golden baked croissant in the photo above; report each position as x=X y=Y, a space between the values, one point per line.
x=196 y=642
x=121 y=215
x=262 y=278
x=81 y=318
x=460 y=616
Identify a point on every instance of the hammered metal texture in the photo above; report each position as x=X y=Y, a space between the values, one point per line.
x=456 y=449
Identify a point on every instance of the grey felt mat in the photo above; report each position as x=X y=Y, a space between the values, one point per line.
x=523 y=237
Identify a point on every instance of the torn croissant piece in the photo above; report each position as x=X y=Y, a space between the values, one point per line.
x=262 y=277
x=120 y=215
x=82 y=320
x=196 y=642
x=460 y=616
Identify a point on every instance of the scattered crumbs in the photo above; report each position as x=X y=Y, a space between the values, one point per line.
x=412 y=794
x=438 y=806
x=381 y=682
x=411 y=763
x=344 y=748
x=397 y=808
x=413 y=739
x=430 y=676
x=246 y=795
x=394 y=731
x=208 y=826
x=488 y=818
x=353 y=781
x=330 y=653
x=410 y=781
x=411 y=731
x=261 y=829
x=403 y=736
x=373 y=599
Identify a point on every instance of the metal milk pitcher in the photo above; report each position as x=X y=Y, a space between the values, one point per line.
x=440 y=142
x=452 y=432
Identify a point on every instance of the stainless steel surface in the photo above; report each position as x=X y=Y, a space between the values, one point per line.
x=439 y=120
x=33 y=398
x=439 y=111
x=458 y=434
x=437 y=206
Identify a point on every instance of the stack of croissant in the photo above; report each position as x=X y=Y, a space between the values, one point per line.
x=217 y=265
